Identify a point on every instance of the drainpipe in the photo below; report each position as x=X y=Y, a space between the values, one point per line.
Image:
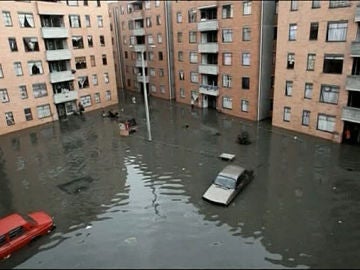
x=169 y=55
x=260 y=59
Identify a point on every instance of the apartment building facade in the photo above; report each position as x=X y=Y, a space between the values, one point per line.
x=55 y=55
x=223 y=55
x=317 y=77
x=143 y=49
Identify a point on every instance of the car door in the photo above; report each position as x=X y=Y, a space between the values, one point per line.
x=18 y=238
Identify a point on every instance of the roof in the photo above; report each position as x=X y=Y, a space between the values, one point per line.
x=232 y=171
x=11 y=222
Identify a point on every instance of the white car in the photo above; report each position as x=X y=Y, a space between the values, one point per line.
x=228 y=183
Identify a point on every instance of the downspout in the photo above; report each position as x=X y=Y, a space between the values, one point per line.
x=260 y=59
x=166 y=9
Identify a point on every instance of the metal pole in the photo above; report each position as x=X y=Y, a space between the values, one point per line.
x=145 y=96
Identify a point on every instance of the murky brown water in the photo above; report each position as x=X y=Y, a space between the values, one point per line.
x=125 y=202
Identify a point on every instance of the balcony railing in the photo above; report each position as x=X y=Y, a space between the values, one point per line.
x=351 y=114
x=357 y=13
x=65 y=96
x=140 y=78
x=211 y=90
x=61 y=76
x=49 y=8
x=139 y=47
x=355 y=48
x=139 y=32
x=209 y=69
x=54 y=32
x=353 y=82
x=208 y=47
x=208 y=25
x=56 y=55
x=138 y=63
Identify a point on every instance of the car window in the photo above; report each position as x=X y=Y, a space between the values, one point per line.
x=225 y=182
x=2 y=240
x=16 y=232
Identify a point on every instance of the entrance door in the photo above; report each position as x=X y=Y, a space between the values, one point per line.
x=61 y=110
x=205 y=103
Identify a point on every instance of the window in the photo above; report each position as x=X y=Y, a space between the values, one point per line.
x=293 y=5
x=9 y=118
x=315 y=4
x=151 y=56
x=292 y=32
x=158 y=20
x=290 y=61
x=157 y=3
x=159 y=38
x=7 y=18
x=106 y=77
x=308 y=90
x=161 y=56
x=182 y=92
x=227 y=79
x=161 y=72
x=244 y=105
x=92 y=60
x=246 y=59
x=194 y=77
x=192 y=15
x=35 y=67
x=108 y=95
x=87 y=21
x=336 y=31
x=77 y=42
x=288 y=88
x=227 y=59
x=339 y=3
x=153 y=88
x=227 y=102
x=148 y=22
x=329 y=94
x=179 y=37
x=4 y=96
x=147 y=4
x=1 y=72
x=152 y=72
x=26 y=20
x=18 y=69
x=80 y=62
x=86 y=3
x=178 y=17
x=98 y=3
x=192 y=37
x=193 y=57
x=150 y=39
x=310 y=62
x=31 y=44
x=72 y=2
x=90 y=41
x=326 y=123
x=287 y=112
x=333 y=64
x=246 y=7
x=314 y=28
x=97 y=97
x=100 y=21
x=227 y=11
x=305 y=118
x=28 y=114
x=102 y=40
x=246 y=34
x=43 y=111
x=104 y=59
x=181 y=75
x=23 y=92
x=94 y=79
x=180 y=56
x=39 y=90
x=13 y=45
x=227 y=35
x=74 y=21
x=83 y=82
x=245 y=83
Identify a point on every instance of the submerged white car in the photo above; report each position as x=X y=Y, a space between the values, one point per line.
x=228 y=183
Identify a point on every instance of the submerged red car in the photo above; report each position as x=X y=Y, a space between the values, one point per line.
x=18 y=230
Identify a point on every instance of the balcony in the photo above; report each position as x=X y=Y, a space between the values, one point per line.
x=65 y=96
x=140 y=78
x=208 y=48
x=56 y=55
x=61 y=76
x=139 y=32
x=353 y=82
x=139 y=47
x=209 y=69
x=138 y=63
x=351 y=114
x=357 y=13
x=54 y=32
x=49 y=8
x=209 y=90
x=355 y=48
x=210 y=25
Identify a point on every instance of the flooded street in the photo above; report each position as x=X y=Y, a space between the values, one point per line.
x=125 y=202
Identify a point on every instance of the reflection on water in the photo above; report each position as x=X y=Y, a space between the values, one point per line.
x=124 y=202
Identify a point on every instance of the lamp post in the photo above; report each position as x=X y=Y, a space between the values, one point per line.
x=145 y=96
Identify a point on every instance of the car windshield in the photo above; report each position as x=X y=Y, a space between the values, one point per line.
x=224 y=182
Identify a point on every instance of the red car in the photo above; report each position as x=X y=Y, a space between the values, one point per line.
x=17 y=230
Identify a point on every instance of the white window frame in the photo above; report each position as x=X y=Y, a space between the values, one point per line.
x=37 y=64
x=75 y=21
x=108 y=95
x=97 y=97
x=329 y=94
x=194 y=77
x=292 y=31
x=336 y=31
x=1 y=72
x=43 y=111
x=4 y=95
x=26 y=17
x=288 y=88
x=86 y=100
x=39 y=90
x=227 y=102
x=106 y=77
x=193 y=57
x=95 y=79
x=182 y=92
x=7 y=18
x=100 y=21
x=326 y=123
x=178 y=17
x=227 y=11
x=246 y=59
x=227 y=35
x=247 y=7
x=227 y=80
x=18 y=69
x=227 y=59
x=308 y=90
x=246 y=33
x=310 y=65
x=287 y=114
x=244 y=105
x=305 y=120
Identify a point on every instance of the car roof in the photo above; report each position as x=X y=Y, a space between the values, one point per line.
x=232 y=171
x=11 y=222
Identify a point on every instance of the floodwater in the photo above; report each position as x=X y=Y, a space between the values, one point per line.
x=126 y=202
